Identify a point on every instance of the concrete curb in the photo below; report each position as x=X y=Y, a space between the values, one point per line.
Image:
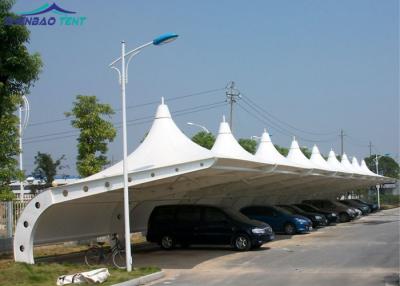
x=143 y=280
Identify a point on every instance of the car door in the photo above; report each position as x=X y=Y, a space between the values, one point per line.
x=267 y=214
x=187 y=220
x=215 y=227
x=278 y=218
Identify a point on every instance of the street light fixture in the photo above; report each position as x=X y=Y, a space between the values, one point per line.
x=123 y=79
x=198 y=125
x=254 y=137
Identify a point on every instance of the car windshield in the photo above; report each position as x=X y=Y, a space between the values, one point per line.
x=308 y=208
x=237 y=215
x=339 y=204
x=282 y=210
x=297 y=209
x=287 y=209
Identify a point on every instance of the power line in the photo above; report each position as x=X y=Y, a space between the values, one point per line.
x=139 y=121
x=285 y=123
x=119 y=123
x=276 y=126
x=138 y=105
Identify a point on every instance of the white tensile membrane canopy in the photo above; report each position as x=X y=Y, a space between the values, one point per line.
x=319 y=161
x=267 y=152
x=166 y=168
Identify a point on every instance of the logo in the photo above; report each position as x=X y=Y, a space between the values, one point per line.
x=37 y=17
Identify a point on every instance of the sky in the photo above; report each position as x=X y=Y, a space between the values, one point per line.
x=304 y=68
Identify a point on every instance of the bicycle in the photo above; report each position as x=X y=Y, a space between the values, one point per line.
x=98 y=254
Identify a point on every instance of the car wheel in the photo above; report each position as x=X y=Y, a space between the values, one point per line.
x=290 y=229
x=344 y=217
x=167 y=242
x=242 y=242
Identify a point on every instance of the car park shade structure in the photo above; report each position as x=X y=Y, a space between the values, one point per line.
x=168 y=168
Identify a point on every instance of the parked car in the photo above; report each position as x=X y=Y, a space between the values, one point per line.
x=170 y=225
x=279 y=219
x=357 y=212
x=332 y=217
x=317 y=219
x=372 y=206
x=365 y=210
x=345 y=213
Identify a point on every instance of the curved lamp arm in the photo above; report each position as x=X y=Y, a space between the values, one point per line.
x=119 y=73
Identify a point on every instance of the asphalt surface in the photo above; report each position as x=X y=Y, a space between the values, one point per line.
x=363 y=252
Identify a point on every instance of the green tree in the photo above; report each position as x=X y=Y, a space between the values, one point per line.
x=249 y=145
x=95 y=133
x=204 y=139
x=18 y=71
x=306 y=152
x=387 y=166
x=283 y=150
x=46 y=167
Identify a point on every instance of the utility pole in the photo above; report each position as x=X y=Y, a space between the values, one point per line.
x=233 y=95
x=341 y=142
x=370 y=148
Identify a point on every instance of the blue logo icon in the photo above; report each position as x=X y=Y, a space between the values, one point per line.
x=36 y=17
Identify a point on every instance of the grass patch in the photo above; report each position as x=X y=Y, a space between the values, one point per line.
x=12 y=273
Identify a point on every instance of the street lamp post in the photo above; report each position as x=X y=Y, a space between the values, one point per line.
x=378 y=186
x=198 y=125
x=23 y=122
x=123 y=79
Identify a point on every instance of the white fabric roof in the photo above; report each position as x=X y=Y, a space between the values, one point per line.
x=334 y=163
x=356 y=166
x=227 y=147
x=168 y=167
x=365 y=168
x=267 y=152
x=296 y=156
x=164 y=145
x=347 y=165
x=318 y=160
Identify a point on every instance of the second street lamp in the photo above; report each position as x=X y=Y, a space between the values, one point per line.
x=123 y=79
x=198 y=125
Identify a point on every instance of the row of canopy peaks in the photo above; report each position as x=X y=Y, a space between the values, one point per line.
x=166 y=145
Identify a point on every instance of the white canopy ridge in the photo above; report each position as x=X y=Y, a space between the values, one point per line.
x=318 y=160
x=334 y=163
x=164 y=145
x=227 y=147
x=297 y=156
x=267 y=152
x=365 y=168
x=356 y=166
x=347 y=165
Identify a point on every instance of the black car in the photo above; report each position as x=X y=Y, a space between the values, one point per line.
x=363 y=208
x=332 y=217
x=317 y=219
x=202 y=224
x=345 y=213
x=372 y=206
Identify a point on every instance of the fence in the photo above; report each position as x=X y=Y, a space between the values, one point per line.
x=9 y=214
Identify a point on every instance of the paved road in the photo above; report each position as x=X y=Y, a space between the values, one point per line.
x=364 y=252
